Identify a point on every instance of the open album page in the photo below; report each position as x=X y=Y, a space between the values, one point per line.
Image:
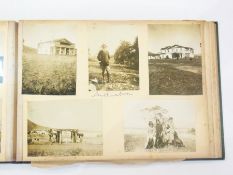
x=101 y=90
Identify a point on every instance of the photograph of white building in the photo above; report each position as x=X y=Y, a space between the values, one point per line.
x=49 y=55
x=173 y=52
x=176 y=52
x=175 y=63
x=57 y=47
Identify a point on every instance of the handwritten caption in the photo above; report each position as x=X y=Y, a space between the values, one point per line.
x=108 y=94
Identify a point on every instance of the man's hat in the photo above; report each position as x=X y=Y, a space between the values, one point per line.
x=104 y=46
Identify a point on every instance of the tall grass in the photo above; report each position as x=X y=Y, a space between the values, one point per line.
x=166 y=79
x=48 y=75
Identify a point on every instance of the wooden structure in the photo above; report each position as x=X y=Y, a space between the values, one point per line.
x=57 y=47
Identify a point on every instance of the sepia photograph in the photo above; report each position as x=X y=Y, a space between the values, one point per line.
x=159 y=126
x=113 y=57
x=49 y=58
x=174 y=56
x=64 y=128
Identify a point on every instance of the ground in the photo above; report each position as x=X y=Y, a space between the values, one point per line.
x=136 y=143
x=122 y=77
x=175 y=77
x=48 y=75
x=89 y=147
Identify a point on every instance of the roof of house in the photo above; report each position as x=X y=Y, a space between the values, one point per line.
x=169 y=47
x=62 y=40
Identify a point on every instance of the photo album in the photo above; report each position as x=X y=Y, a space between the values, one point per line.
x=74 y=91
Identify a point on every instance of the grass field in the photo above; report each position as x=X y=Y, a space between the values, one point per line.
x=89 y=147
x=122 y=77
x=48 y=75
x=175 y=77
x=136 y=143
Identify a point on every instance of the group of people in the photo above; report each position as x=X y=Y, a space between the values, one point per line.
x=161 y=133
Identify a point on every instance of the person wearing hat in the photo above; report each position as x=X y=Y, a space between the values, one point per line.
x=104 y=57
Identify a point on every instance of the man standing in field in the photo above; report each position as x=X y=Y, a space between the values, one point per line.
x=104 y=57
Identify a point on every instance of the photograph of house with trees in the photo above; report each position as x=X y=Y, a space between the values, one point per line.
x=49 y=58
x=113 y=57
x=175 y=64
x=64 y=128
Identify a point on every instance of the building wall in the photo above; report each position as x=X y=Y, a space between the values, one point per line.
x=55 y=48
x=177 y=52
x=166 y=56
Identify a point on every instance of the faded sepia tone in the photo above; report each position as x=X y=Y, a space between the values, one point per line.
x=175 y=64
x=64 y=128
x=113 y=57
x=141 y=115
x=49 y=58
x=159 y=126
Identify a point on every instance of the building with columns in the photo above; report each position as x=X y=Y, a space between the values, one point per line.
x=57 y=47
x=177 y=52
x=173 y=52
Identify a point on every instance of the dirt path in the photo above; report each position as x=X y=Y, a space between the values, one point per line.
x=193 y=69
x=122 y=77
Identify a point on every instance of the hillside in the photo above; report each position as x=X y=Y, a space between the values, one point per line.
x=27 y=49
x=32 y=125
x=151 y=53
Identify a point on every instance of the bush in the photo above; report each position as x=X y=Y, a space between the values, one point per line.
x=128 y=54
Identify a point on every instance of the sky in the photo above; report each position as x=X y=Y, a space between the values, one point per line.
x=36 y=32
x=162 y=35
x=109 y=34
x=182 y=111
x=67 y=114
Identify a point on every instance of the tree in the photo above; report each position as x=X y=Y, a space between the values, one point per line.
x=128 y=54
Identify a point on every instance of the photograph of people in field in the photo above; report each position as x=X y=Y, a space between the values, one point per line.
x=49 y=58
x=64 y=128
x=175 y=64
x=159 y=125
x=113 y=57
